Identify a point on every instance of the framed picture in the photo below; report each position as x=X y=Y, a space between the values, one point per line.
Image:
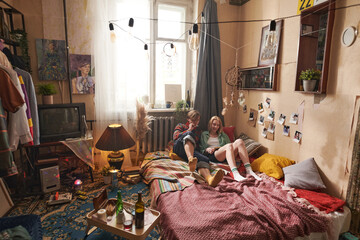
x=82 y=77
x=269 y=45
x=260 y=78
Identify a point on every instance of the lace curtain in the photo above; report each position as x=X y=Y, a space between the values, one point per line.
x=121 y=66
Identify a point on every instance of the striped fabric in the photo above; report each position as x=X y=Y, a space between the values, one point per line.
x=166 y=175
x=251 y=145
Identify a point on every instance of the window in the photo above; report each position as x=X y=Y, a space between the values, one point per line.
x=172 y=64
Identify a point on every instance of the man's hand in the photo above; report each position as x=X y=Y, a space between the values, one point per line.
x=191 y=126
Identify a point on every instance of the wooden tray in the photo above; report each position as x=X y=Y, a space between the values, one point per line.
x=150 y=221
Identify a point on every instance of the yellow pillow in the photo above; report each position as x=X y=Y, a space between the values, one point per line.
x=271 y=165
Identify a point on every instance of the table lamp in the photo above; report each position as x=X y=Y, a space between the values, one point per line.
x=115 y=138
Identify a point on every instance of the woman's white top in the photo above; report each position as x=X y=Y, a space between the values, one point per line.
x=213 y=142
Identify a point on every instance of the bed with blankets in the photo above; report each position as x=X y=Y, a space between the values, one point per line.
x=250 y=209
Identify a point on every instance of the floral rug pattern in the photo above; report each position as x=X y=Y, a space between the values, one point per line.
x=67 y=221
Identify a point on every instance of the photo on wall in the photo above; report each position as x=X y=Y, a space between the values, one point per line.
x=82 y=77
x=51 y=59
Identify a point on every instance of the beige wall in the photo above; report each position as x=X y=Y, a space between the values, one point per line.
x=326 y=125
x=44 y=19
x=327 y=118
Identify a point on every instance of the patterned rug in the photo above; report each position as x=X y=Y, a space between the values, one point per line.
x=67 y=221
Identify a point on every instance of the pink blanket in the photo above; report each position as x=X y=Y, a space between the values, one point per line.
x=247 y=210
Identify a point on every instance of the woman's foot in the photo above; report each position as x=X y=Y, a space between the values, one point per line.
x=251 y=172
x=192 y=163
x=237 y=175
x=215 y=179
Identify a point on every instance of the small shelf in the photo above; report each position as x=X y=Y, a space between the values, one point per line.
x=316 y=26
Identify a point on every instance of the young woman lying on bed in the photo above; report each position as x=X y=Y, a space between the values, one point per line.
x=216 y=145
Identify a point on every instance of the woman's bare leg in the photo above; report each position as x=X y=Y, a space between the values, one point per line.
x=240 y=146
x=227 y=152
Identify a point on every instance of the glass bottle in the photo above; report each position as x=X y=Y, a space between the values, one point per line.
x=139 y=212
x=119 y=204
x=188 y=99
x=84 y=127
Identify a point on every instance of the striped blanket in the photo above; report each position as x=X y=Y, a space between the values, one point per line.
x=166 y=175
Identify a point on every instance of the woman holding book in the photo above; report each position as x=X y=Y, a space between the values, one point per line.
x=217 y=146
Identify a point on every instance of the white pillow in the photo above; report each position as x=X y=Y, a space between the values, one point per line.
x=303 y=175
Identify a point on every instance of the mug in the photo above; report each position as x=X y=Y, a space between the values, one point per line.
x=169 y=104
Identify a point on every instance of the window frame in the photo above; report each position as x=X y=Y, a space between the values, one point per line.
x=189 y=6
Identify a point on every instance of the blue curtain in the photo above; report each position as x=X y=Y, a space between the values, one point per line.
x=208 y=97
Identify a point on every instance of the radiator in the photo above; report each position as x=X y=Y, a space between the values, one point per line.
x=161 y=132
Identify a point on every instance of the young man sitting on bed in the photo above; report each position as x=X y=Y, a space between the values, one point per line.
x=186 y=145
x=217 y=146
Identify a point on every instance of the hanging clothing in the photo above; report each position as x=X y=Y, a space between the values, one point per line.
x=10 y=100
x=4 y=60
x=30 y=89
x=28 y=113
x=18 y=128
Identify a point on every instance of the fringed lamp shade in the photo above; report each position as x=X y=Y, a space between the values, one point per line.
x=115 y=138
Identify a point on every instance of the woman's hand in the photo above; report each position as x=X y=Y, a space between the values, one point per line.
x=210 y=150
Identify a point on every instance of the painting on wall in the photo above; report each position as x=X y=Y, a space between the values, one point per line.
x=51 y=59
x=82 y=77
x=269 y=45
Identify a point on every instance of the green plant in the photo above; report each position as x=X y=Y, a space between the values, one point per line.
x=105 y=171
x=20 y=36
x=46 y=89
x=181 y=109
x=310 y=74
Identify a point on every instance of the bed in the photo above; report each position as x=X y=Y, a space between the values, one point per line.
x=251 y=209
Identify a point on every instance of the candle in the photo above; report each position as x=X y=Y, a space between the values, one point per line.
x=101 y=213
x=78 y=185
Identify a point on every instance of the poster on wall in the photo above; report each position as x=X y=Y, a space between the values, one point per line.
x=269 y=45
x=82 y=77
x=51 y=59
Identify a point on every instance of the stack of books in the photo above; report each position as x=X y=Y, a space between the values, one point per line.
x=131 y=174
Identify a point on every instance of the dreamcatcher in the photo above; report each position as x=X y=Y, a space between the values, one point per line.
x=233 y=78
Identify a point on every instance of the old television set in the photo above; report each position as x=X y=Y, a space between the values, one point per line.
x=61 y=121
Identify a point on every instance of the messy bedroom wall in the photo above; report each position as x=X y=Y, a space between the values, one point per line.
x=327 y=118
x=326 y=124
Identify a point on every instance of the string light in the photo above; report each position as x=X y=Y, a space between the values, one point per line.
x=190 y=37
x=194 y=39
x=271 y=40
x=112 y=33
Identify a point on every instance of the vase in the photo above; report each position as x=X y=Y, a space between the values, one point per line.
x=107 y=179
x=309 y=85
x=48 y=99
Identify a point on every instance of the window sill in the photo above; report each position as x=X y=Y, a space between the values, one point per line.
x=161 y=110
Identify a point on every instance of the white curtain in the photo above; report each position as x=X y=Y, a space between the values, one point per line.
x=121 y=66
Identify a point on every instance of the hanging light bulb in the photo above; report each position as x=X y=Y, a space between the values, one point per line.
x=112 y=33
x=146 y=51
x=194 y=40
x=131 y=25
x=271 y=38
x=189 y=37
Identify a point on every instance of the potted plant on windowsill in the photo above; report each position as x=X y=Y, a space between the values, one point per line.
x=310 y=78
x=46 y=90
